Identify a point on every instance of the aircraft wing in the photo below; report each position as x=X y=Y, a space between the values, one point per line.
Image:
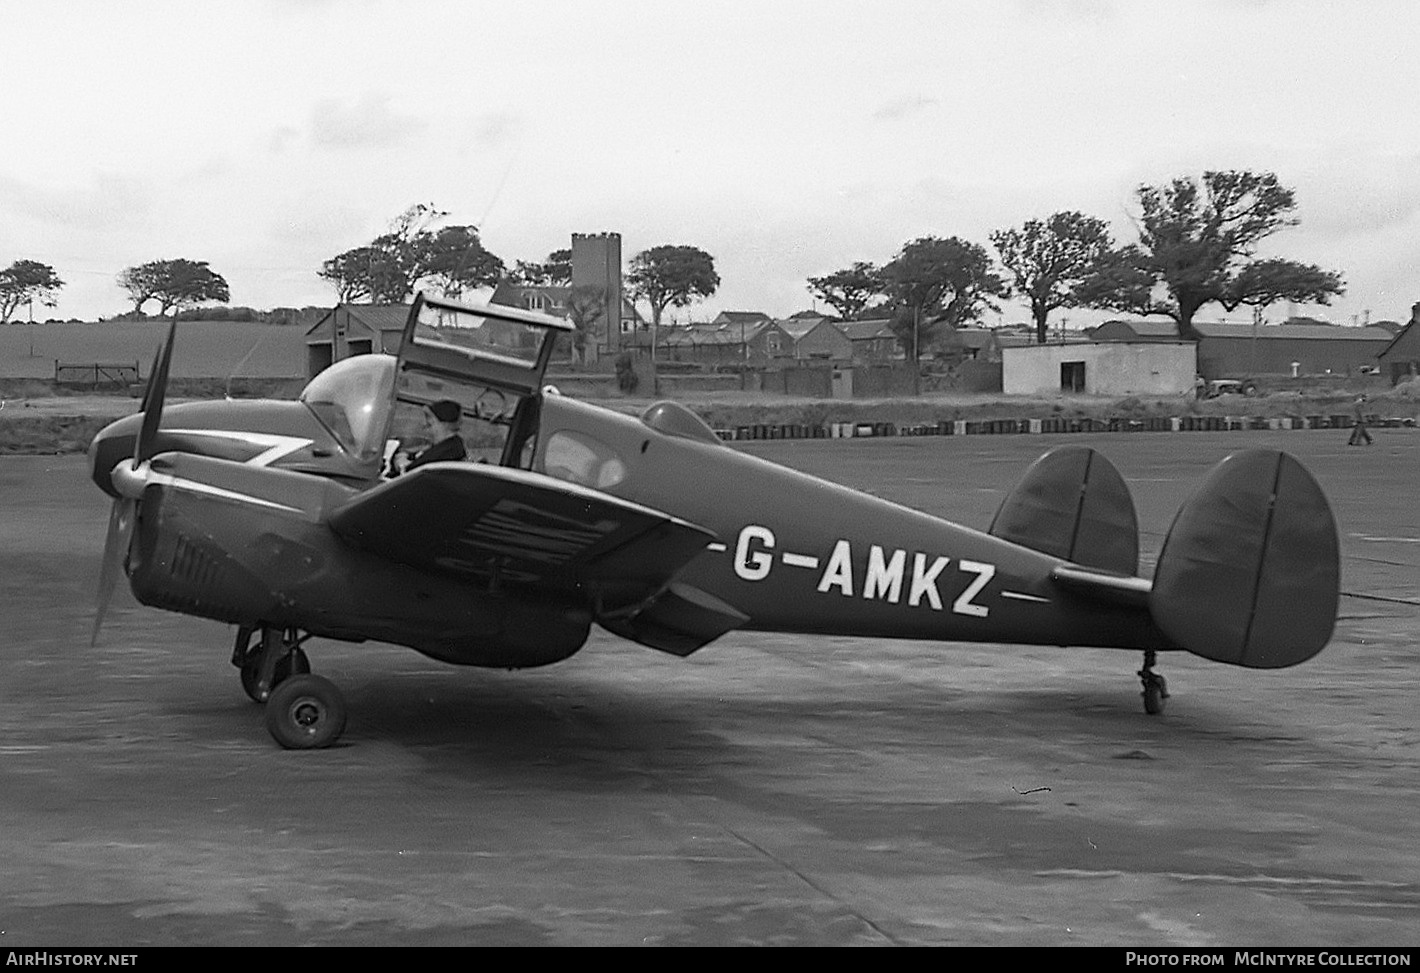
x=497 y=525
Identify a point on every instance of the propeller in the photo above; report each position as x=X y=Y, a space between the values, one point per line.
x=153 y=395
x=120 y=533
x=125 y=509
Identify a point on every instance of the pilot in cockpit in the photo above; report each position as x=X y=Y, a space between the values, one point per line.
x=441 y=426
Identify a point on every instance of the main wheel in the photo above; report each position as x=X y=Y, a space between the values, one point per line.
x=1155 y=692
x=296 y=664
x=305 y=712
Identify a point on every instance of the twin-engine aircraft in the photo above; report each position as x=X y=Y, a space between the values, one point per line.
x=280 y=517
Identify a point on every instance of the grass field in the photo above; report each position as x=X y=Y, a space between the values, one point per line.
x=205 y=349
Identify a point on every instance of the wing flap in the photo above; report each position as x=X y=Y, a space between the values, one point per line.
x=678 y=620
x=498 y=524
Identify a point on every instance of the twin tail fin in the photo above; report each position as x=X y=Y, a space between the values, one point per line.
x=1249 y=573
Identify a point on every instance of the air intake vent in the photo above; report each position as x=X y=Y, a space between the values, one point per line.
x=193 y=565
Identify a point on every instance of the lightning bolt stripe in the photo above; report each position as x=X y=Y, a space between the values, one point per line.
x=272 y=447
x=195 y=486
x=130 y=483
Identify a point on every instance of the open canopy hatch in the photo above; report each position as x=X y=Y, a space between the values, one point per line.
x=489 y=359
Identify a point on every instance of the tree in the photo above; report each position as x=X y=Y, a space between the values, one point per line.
x=1050 y=260
x=555 y=271
x=390 y=267
x=848 y=291
x=359 y=273
x=671 y=276
x=142 y=283
x=934 y=282
x=25 y=281
x=1265 y=282
x=559 y=266
x=176 y=283
x=454 y=259
x=586 y=304
x=1196 y=244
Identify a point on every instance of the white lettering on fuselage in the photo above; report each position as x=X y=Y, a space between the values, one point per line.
x=984 y=573
x=754 y=564
x=883 y=576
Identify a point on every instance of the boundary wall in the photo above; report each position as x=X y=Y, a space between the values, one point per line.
x=986 y=427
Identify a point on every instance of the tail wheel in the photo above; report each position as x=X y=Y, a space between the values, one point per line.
x=1154 y=696
x=1156 y=688
x=305 y=712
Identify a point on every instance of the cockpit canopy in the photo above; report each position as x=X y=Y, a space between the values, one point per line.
x=489 y=359
x=353 y=399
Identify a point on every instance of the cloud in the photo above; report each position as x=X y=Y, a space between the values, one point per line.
x=317 y=224
x=905 y=107
x=1361 y=195
x=283 y=137
x=495 y=128
x=111 y=200
x=369 y=122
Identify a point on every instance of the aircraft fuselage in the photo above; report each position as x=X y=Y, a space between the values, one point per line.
x=800 y=554
x=794 y=553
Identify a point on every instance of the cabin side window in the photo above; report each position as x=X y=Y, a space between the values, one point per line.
x=582 y=459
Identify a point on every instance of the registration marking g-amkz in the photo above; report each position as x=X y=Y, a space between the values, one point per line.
x=883 y=577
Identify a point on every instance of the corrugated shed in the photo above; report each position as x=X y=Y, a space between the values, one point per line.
x=373 y=318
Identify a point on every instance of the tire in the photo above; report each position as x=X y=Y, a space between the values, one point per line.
x=297 y=664
x=305 y=712
x=1154 y=700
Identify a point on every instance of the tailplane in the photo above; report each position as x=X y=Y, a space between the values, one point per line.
x=1250 y=571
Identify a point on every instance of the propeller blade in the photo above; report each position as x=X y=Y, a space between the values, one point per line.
x=152 y=372
x=125 y=509
x=120 y=534
x=153 y=400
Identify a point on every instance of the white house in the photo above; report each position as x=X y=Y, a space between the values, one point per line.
x=1104 y=368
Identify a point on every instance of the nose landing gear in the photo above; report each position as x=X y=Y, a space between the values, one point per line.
x=265 y=665
x=302 y=711
x=1156 y=688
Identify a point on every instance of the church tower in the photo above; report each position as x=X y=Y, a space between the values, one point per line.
x=596 y=262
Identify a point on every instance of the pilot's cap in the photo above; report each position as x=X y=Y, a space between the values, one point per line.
x=446 y=410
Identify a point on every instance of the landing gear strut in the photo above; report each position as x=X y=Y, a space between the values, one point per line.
x=302 y=711
x=270 y=662
x=1156 y=689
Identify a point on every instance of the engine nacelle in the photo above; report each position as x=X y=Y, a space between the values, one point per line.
x=227 y=559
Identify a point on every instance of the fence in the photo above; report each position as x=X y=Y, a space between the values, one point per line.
x=95 y=375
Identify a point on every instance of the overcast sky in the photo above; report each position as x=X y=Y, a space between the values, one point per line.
x=788 y=139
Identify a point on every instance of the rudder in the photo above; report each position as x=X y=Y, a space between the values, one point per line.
x=1250 y=571
x=1073 y=504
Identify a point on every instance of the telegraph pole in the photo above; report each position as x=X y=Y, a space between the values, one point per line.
x=916 y=351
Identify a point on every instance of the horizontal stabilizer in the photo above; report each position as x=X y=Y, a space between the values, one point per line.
x=1104 y=587
x=1073 y=504
x=1250 y=571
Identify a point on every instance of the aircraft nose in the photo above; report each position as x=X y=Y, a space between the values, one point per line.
x=113 y=443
